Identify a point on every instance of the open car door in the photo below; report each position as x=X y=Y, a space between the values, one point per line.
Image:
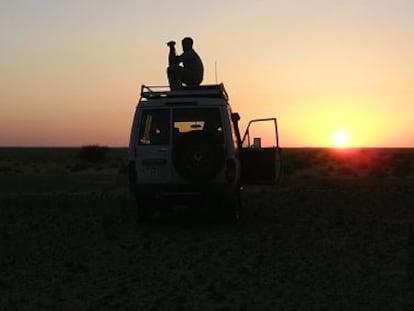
x=260 y=165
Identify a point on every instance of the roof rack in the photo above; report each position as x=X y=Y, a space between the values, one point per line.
x=212 y=90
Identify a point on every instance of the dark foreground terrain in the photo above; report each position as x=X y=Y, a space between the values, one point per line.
x=331 y=236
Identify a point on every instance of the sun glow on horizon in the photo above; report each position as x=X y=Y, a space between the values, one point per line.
x=341 y=139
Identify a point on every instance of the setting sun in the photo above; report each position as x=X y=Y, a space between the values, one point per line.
x=340 y=139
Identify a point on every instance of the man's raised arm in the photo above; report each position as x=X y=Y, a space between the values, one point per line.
x=173 y=59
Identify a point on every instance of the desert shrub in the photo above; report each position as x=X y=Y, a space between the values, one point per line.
x=93 y=153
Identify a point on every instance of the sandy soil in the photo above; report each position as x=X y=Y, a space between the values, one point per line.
x=311 y=244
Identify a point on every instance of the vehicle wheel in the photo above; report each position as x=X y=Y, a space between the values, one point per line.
x=198 y=156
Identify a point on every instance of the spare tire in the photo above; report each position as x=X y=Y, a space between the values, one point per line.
x=198 y=156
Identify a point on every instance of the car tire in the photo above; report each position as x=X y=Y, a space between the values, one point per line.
x=198 y=156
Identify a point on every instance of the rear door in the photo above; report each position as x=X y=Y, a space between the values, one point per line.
x=153 y=146
x=198 y=140
x=260 y=153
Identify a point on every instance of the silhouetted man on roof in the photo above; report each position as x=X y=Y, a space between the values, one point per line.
x=192 y=70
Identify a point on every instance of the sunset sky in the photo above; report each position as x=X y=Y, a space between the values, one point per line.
x=70 y=71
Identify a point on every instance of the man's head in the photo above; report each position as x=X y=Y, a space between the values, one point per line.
x=187 y=43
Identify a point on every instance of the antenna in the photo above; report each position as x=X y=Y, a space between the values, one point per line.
x=215 y=70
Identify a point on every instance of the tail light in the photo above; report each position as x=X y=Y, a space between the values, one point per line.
x=231 y=170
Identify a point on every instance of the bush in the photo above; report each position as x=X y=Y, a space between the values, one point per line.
x=93 y=153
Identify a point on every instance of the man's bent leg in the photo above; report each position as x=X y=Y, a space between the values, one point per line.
x=190 y=79
x=175 y=78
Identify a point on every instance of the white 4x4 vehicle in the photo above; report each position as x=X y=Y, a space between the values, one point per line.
x=185 y=147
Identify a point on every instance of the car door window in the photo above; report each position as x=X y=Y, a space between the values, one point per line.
x=206 y=120
x=154 y=129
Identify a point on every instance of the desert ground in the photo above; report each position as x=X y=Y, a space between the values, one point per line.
x=336 y=234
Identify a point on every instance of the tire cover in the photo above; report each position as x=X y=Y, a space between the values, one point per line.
x=198 y=156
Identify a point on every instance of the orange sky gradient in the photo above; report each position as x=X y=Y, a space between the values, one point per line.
x=71 y=71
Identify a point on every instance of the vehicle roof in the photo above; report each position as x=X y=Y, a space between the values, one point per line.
x=182 y=102
x=202 y=91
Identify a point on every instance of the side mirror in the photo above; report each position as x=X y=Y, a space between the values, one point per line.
x=235 y=117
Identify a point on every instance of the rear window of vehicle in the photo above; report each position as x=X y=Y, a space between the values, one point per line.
x=197 y=119
x=155 y=125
